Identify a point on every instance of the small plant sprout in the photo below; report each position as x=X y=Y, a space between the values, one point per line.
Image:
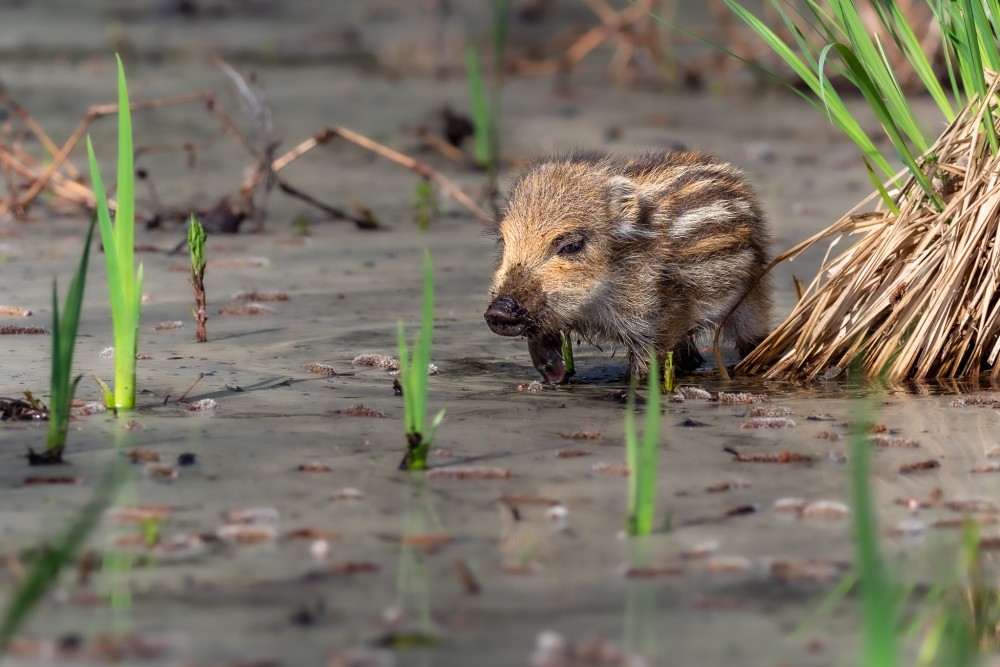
x=64 y=327
x=196 y=248
x=669 y=373
x=641 y=457
x=486 y=105
x=482 y=120
x=567 y=353
x=151 y=530
x=413 y=373
x=425 y=205
x=125 y=287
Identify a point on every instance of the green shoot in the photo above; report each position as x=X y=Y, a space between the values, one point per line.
x=641 y=458
x=151 y=531
x=64 y=329
x=425 y=205
x=486 y=108
x=567 y=353
x=413 y=373
x=482 y=120
x=125 y=288
x=669 y=373
x=196 y=249
x=501 y=19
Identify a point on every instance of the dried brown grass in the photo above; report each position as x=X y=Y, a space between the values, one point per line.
x=915 y=296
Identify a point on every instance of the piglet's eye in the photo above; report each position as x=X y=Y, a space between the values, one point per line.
x=569 y=247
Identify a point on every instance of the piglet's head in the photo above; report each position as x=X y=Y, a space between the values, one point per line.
x=558 y=236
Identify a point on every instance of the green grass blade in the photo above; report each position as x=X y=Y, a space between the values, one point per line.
x=125 y=194
x=641 y=458
x=749 y=63
x=879 y=74
x=422 y=346
x=982 y=53
x=972 y=63
x=432 y=431
x=569 y=364
x=817 y=82
x=64 y=330
x=872 y=95
x=131 y=291
x=886 y=198
x=501 y=21
x=669 y=373
x=414 y=375
x=943 y=17
x=878 y=607
x=74 y=297
x=405 y=373
x=124 y=288
x=115 y=271
x=901 y=109
x=59 y=378
x=107 y=231
x=481 y=120
x=984 y=28
x=902 y=32
x=647 y=471
x=632 y=462
x=775 y=42
x=45 y=571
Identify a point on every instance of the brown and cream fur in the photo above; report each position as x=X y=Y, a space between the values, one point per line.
x=636 y=252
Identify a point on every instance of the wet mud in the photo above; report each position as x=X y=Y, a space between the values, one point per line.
x=282 y=532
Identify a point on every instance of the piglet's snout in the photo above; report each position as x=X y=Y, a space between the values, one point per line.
x=506 y=317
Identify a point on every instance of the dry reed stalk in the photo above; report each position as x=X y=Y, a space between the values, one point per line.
x=331 y=132
x=631 y=29
x=66 y=186
x=915 y=296
x=60 y=177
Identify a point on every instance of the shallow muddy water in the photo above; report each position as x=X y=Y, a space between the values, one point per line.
x=351 y=562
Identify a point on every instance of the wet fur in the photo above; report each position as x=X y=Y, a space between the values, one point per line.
x=670 y=240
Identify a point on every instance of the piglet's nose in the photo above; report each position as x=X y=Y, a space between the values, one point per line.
x=505 y=317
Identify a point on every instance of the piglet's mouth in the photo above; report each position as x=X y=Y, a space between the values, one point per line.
x=546 y=355
x=507 y=317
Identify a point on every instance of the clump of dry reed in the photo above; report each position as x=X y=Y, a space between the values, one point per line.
x=915 y=296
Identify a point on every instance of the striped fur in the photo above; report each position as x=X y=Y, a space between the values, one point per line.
x=670 y=242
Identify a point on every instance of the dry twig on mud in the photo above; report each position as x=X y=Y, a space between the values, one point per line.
x=632 y=29
x=423 y=170
x=59 y=175
x=26 y=177
x=916 y=295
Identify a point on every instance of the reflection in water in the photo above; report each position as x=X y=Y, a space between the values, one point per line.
x=117 y=563
x=639 y=636
x=413 y=578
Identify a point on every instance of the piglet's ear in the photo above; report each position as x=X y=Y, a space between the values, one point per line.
x=624 y=200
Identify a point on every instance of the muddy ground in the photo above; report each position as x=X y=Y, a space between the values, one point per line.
x=352 y=560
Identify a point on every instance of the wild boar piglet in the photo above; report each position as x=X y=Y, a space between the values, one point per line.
x=637 y=253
